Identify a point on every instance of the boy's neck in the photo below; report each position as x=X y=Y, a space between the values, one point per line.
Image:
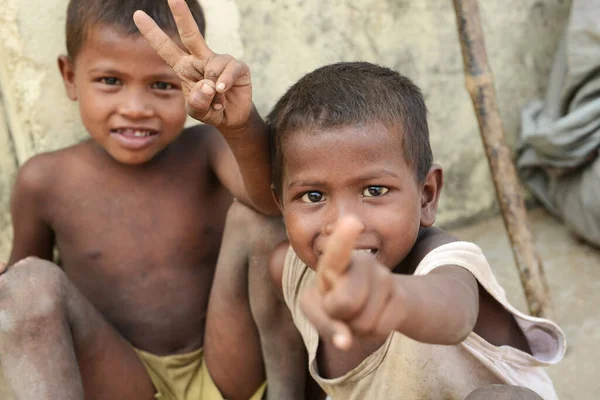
x=100 y=154
x=428 y=239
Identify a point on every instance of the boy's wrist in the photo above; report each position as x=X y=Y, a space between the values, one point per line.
x=398 y=301
x=253 y=123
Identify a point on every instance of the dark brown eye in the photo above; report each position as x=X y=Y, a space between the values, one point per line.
x=110 y=81
x=313 y=197
x=162 y=86
x=374 y=191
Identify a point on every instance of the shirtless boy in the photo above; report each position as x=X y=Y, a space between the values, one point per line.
x=137 y=213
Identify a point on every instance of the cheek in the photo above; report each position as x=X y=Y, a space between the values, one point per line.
x=93 y=106
x=298 y=226
x=174 y=112
x=302 y=229
x=397 y=226
x=93 y=114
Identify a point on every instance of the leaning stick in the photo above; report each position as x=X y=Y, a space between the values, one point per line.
x=480 y=85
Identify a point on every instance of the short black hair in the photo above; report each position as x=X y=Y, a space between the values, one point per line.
x=351 y=93
x=84 y=14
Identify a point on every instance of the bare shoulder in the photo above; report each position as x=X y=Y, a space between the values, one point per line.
x=432 y=238
x=206 y=138
x=428 y=240
x=200 y=137
x=46 y=172
x=196 y=144
x=276 y=263
x=38 y=174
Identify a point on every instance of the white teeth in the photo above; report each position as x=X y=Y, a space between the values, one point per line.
x=134 y=133
x=368 y=251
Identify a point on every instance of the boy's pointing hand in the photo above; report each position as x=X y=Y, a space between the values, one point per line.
x=354 y=292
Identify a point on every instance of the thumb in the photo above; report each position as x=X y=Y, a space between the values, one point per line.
x=200 y=98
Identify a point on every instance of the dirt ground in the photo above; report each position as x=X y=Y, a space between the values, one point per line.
x=573 y=270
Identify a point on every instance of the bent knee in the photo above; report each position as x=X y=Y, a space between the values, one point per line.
x=503 y=392
x=268 y=308
x=30 y=291
x=241 y=215
x=254 y=225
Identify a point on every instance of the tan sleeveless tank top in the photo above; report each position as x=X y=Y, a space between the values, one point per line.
x=403 y=368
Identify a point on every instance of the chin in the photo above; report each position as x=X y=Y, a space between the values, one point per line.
x=311 y=260
x=133 y=161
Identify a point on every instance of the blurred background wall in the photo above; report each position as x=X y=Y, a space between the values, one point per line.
x=281 y=41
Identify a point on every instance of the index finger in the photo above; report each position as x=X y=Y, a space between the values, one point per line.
x=338 y=250
x=188 y=30
x=166 y=48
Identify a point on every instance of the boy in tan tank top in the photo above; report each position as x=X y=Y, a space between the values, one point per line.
x=388 y=305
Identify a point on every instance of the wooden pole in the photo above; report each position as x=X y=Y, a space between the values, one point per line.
x=480 y=85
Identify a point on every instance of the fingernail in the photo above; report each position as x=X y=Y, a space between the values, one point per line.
x=207 y=89
x=217 y=107
x=220 y=86
x=341 y=341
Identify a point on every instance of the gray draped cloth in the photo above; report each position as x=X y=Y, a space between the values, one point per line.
x=560 y=138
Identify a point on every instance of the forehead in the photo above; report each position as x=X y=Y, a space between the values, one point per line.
x=106 y=47
x=343 y=149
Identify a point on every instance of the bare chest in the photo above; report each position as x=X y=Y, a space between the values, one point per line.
x=139 y=224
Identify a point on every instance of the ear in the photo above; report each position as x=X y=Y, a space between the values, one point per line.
x=276 y=199
x=67 y=71
x=430 y=195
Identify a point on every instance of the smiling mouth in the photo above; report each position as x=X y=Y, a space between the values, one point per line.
x=367 y=251
x=134 y=133
x=374 y=252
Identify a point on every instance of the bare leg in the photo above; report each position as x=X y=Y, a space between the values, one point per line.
x=283 y=350
x=48 y=329
x=232 y=345
x=503 y=392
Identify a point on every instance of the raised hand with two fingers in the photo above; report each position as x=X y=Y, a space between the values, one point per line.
x=217 y=87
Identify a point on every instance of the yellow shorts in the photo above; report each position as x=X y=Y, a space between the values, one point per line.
x=183 y=377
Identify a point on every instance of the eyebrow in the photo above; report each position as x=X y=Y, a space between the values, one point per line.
x=371 y=175
x=378 y=173
x=111 y=71
x=300 y=182
x=108 y=71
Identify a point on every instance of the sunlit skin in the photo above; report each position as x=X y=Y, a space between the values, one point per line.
x=137 y=212
x=357 y=215
x=131 y=103
x=130 y=100
x=366 y=178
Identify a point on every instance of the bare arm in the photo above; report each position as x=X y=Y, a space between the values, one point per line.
x=439 y=308
x=32 y=234
x=218 y=92
x=240 y=159
x=276 y=262
x=356 y=295
x=250 y=147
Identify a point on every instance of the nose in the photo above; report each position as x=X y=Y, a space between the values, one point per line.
x=338 y=209
x=136 y=105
